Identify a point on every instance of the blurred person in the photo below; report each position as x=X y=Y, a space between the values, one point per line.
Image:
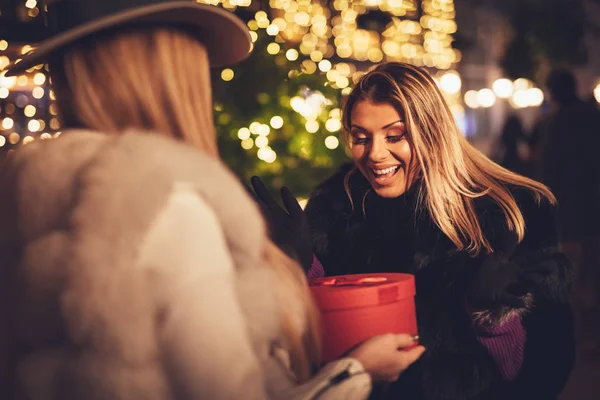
x=133 y=264
x=493 y=290
x=512 y=139
x=566 y=143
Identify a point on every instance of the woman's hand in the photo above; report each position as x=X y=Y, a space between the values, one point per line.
x=383 y=358
x=288 y=228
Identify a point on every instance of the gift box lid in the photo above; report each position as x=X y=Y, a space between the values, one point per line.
x=361 y=290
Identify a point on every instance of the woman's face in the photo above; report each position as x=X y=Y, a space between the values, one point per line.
x=380 y=147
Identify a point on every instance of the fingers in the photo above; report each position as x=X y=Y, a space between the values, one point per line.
x=290 y=202
x=262 y=193
x=412 y=355
x=404 y=340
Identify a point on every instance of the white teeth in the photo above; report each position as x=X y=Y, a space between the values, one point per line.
x=385 y=171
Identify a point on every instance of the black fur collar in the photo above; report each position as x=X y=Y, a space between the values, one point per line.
x=371 y=234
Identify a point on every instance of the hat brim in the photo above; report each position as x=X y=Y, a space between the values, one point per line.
x=225 y=36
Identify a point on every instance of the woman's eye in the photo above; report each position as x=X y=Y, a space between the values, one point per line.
x=357 y=140
x=395 y=138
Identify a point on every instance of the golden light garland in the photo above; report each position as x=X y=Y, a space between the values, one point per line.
x=326 y=36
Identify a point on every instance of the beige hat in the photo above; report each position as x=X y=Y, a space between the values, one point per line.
x=225 y=36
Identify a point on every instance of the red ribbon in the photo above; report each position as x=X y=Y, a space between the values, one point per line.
x=342 y=281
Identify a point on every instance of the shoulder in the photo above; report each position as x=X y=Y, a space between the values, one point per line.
x=539 y=214
x=184 y=234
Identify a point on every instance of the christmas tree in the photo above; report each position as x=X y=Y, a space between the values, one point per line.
x=277 y=113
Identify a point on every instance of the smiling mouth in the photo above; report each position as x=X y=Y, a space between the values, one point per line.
x=382 y=175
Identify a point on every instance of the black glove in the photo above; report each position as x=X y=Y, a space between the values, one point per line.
x=288 y=229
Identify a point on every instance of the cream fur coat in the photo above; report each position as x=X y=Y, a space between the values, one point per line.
x=130 y=268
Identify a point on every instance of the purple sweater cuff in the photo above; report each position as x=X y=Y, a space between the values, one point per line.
x=316 y=270
x=506 y=344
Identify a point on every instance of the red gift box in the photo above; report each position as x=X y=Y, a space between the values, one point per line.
x=355 y=308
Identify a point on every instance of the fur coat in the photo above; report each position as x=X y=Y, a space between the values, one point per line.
x=397 y=235
x=131 y=268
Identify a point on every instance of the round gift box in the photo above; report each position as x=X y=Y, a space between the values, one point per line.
x=355 y=308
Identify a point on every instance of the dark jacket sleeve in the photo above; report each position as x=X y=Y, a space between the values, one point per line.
x=550 y=348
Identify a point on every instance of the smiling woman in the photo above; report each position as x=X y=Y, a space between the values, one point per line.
x=480 y=240
x=380 y=148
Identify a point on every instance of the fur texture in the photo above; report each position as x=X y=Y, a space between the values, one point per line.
x=397 y=235
x=74 y=213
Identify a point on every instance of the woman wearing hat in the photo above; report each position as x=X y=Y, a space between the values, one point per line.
x=493 y=290
x=133 y=265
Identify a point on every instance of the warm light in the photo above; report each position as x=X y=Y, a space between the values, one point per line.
x=227 y=74
x=597 y=93
x=29 y=111
x=247 y=144
x=38 y=92
x=26 y=49
x=273 y=48
x=471 y=99
x=7 y=123
x=264 y=130
x=486 y=98
x=4 y=62
x=276 y=122
x=522 y=84
x=309 y=66
x=254 y=127
x=45 y=136
x=261 y=141
x=4 y=92
x=332 y=142
x=54 y=124
x=39 y=78
x=2 y=141
x=27 y=139
x=34 y=125
x=14 y=138
x=451 y=82
x=324 y=65
x=267 y=154
x=7 y=82
x=519 y=99
x=3 y=45
x=253 y=36
x=292 y=54
x=31 y=3
x=503 y=88
x=536 y=97
x=272 y=30
x=342 y=82
x=312 y=126
x=333 y=125
x=22 y=80
x=243 y=133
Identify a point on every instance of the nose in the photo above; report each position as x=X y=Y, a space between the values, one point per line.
x=378 y=151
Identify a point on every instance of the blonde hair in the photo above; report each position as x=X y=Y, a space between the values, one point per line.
x=154 y=79
x=453 y=173
x=157 y=79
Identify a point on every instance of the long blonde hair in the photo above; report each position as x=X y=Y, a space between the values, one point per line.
x=157 y=79
x=453 y=173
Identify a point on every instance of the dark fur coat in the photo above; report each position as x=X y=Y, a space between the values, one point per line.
x=397 y=235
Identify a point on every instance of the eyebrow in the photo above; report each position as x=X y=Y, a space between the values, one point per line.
x=383 y=127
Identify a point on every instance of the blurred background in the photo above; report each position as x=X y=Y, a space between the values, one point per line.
x=278 y=113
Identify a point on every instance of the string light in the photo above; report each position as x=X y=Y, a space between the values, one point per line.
x=317 y=37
